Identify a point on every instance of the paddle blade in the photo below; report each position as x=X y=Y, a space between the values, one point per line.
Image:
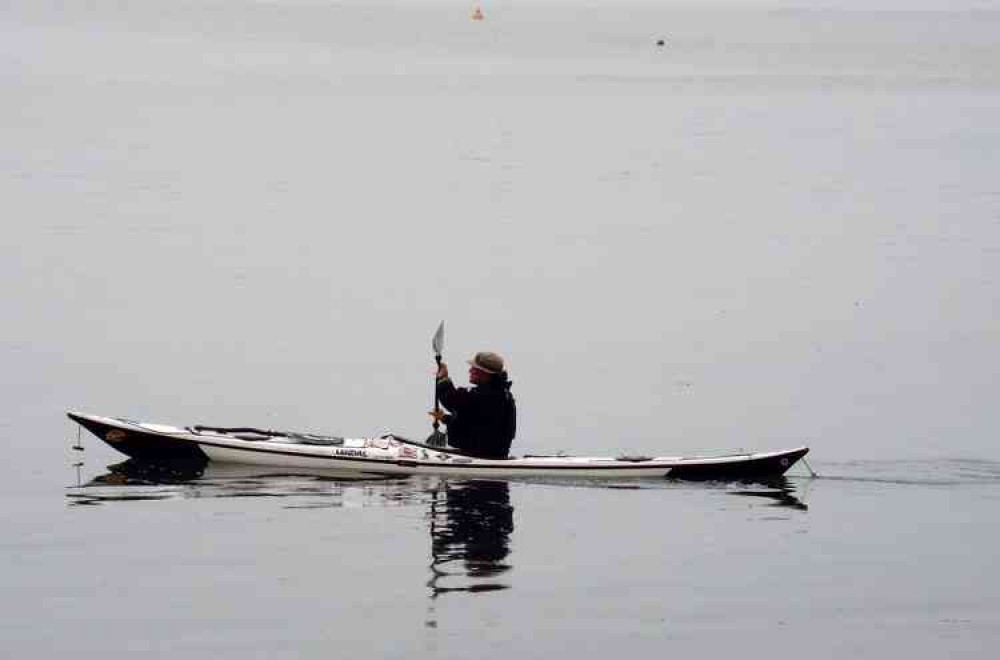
x=438 y=342
x=437 y=439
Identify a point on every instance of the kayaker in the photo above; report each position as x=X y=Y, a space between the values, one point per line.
x=481 y=420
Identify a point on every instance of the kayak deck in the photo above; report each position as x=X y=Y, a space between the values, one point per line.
x=393 y=455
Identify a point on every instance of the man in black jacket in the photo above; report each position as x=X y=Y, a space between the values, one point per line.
x=482 y=421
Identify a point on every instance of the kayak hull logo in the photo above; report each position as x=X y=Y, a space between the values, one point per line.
x=115 y=435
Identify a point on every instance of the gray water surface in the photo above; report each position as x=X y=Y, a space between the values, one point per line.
x=780 y=228
x=873 y=558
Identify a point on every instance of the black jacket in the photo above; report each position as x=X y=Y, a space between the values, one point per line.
x=482 y=420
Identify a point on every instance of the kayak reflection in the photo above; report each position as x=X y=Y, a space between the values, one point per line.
x=781 y=490
x=136 y=479
x=470 y=524
x=136 y=473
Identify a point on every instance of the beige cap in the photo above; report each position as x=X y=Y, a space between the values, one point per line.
x=486 y=361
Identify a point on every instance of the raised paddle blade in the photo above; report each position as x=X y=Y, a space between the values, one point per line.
x=438 y=342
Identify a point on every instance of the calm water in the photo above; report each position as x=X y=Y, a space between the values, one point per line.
x=779 y=228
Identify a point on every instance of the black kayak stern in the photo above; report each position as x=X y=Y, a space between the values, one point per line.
x=757 y=468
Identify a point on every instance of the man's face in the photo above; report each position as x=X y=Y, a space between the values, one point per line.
x=477 y=376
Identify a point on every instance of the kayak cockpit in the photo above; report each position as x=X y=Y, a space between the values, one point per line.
x=256 y=435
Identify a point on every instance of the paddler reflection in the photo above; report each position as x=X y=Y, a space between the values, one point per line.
x=470 y=523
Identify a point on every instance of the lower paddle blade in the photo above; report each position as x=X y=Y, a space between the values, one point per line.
x=437 y=439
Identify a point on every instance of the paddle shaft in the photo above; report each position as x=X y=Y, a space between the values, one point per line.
x=437 y=402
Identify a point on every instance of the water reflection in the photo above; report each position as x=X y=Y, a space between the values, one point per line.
x=470 y=525
x=470 y=522
x=143 y=473
x=143 y=480
x=780 y=490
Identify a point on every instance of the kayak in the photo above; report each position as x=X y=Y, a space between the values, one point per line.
x=390 y=454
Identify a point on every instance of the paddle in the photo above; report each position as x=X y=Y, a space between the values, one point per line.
x=437 y=344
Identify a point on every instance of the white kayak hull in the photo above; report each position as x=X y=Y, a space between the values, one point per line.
x=391 y=455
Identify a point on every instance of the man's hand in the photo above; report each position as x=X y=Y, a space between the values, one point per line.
x=442 y=371
x=437 y=415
